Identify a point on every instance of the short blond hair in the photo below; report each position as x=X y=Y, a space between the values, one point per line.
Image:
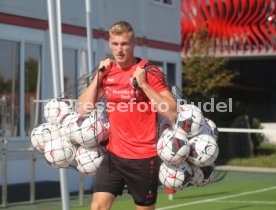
x=121 y=27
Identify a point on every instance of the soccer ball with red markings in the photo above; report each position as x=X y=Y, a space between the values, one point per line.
x=204 y=150
x=90 y=130
x=175 y=177
x=59 y=152
x=37 y=139
x=210 y=128
x=172 y=146
x=88 y=160
x=43 y=133
x=68 y=125
x=55 y=109
x=190 y=119
x=50 y=132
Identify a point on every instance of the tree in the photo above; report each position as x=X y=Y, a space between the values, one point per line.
x=31 y=72
x=5 y=85
x=203 y=75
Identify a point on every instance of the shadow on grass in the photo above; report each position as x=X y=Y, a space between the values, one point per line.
x=219 y=176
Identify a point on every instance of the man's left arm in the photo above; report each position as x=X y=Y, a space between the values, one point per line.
x=163 y=102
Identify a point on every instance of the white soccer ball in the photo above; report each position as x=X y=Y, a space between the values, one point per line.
x=90 y=130
x=208 y=174
x=55 y=109
x=43 y=133
x=204 y=150
x=59 y=152
x=190 y=119
x=173 y=147
x=197 y=177
x=50 y=132
x=210 y=127
x=68 y=125
x=175 y=177
x=88 y=160
x=37 y=137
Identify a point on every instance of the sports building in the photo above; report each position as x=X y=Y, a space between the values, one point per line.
x=26 y=71
x=245 y=33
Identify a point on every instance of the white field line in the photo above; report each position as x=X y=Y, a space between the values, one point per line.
x=249 y=202
x=218 y=198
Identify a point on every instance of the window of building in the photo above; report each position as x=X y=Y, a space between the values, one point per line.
x=19 y=120
x=171 y=72
x=85 y=73
x=9 y=86
x=158 y=64
x=32 y=83
x=70 y=72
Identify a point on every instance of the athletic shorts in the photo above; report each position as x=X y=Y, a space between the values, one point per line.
x=140 y=176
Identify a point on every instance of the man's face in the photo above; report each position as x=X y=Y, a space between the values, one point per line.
x=122 y=47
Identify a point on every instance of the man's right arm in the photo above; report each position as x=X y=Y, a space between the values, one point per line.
x=87 y=100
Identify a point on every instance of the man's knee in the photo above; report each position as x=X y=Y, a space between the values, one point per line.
x=99 y=206
x=102 y=201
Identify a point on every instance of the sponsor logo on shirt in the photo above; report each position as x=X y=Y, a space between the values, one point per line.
x=124 y=94
x=108 y=92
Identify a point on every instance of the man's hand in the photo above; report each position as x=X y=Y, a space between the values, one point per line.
x=106 y=65
x=140 y=76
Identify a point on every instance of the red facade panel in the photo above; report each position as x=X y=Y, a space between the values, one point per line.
x=234 y=26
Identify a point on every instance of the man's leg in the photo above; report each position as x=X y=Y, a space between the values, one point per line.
x=152 y=207
x=141 y=178
x=102 y=201
x=108 y=184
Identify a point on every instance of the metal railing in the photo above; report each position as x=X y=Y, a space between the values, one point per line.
x=4 y=150
x=7 y=148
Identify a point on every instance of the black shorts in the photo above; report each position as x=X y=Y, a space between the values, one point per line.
x=140 y=176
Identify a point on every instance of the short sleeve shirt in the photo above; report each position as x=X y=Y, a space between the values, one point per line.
x=131 y=114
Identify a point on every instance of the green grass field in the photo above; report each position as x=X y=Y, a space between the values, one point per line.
x=230 y=190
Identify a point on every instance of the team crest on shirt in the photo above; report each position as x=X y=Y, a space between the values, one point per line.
x=107 y=92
